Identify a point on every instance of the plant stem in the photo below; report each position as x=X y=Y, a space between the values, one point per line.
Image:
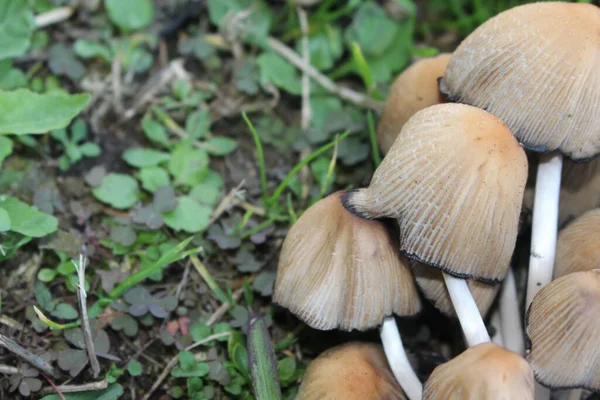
x=396 y=356
x=376 y=154
x=510 y=317
x=466 y=310
x=261 y=160
x=545 y=224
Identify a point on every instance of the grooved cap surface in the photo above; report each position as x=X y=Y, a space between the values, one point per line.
x=485 y=371
x=337 y=270
x=454 y=180
x=537 y=67
x=413 y=90
x=354 y=371
x=578 y=245
x=562 y=325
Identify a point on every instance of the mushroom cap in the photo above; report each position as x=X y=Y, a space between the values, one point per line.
x=578 y=245
x=338 y=270
x=485 y=371
x=562 y=325
x=413 y=90
x=535 y=66
x=353 y=371
x=454 y=179
x=431 y=282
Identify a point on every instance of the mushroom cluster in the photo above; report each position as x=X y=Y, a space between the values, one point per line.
x=455 y=130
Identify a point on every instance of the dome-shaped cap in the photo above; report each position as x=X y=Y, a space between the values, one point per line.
x=431 y=283
x=353 y=371
x=454 y=179
x=578 y=245
x=536 y=67
x=338 y=270
x=563 y=322
x=413 y=90
x=485 y=371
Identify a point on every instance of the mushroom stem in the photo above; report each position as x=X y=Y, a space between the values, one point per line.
x=545 y=223
x=510 y=317
x=466 y=310
x=399 y=364
x=571 y=394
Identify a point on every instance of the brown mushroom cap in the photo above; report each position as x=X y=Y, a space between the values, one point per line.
x=338 y=270
x=413 y=90
x=578 y=245
x=485 y=371
x=535 y=66
x=432 y=285
x=454 y=180
x=353 y=371
x=562 y=326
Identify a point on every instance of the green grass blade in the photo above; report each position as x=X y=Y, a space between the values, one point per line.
x=262 y=362
x=373 y=138
x=261 y=160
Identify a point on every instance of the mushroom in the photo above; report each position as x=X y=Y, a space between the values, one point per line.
x=340 y=271
x=535 y=66
x=413 y=90
x=578 y=247
x=454 y=180
x=353 y=371
x=485 y=371
x=562 y=326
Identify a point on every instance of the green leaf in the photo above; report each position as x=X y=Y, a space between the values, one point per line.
x=372 y=28
x=286 y=369
x=198 y=123
x=46 y=274
x=113 y=392
x=90 y=49
x=221 y=145
x=325 y=47
x=5 y=222
x=263 y=367
x=130 y=15
x=274 y=69
x=62 y=61
x=240 y=359
x=154 y=177
x=199 y=331
x=188 y=165
x=118 y=190
x=24 y=112
x=256 y=22
x=16 y=27
x=27 y=220
x=188 y=216
x=135 y=368
x=11 y=78
x=6 y=148
x=155 y=132
x=187 y=360
x=65 y=311
x=140 y=157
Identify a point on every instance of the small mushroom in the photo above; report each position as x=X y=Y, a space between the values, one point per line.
x=454 y=180
x=353 y=371
x=337 y=270
x=486 y=371
x=562 y=326
x=535 y=67
x=578 y=247
x=413 y=90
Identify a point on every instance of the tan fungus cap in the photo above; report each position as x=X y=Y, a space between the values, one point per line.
x=353 y=371
x=431 y=283
x=536 y=67
x=339 y=270
x=485 y=371
x=454 y=180
x=562 y=325
x=413 y=90
x=578 y=245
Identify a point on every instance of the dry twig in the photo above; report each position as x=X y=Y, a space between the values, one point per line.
x=93 y=386
x=26 y=356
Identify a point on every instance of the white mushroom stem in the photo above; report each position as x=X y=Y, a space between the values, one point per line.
x=573 y=394
x=545 y=223
x=466 y=310
x=510 y=317
x=399 y=364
